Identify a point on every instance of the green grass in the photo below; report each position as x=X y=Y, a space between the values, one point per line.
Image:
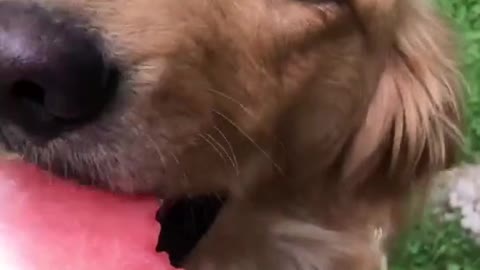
x=466 y=17
x=432 y=245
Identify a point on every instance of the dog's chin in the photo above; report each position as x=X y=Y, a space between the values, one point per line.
x=123 y=164
x=94 y=176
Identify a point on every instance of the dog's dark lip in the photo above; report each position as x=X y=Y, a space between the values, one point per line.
x=184 y=222
x=4 y=142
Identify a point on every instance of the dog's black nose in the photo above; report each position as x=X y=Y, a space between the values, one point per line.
x=52 y=70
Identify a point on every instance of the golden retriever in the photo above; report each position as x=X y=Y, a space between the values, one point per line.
x=315 y=119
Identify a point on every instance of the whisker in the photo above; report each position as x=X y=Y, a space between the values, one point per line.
x=157 y=150
x=185 y=177
x=244 y=108
x=103 y=174
x=232 y=155
x=218 y=197
x=175 y=158
x=49 y=159
x=279 y=169
x=232 y=161
x=207 y=140
x=184 y=180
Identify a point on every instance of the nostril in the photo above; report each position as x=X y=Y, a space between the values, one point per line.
x=28 y=92
x=26 y=105
x=54 y=74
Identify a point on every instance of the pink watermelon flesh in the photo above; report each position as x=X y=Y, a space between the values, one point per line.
x=48 y=224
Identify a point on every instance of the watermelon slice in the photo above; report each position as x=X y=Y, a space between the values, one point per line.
x=48 y=224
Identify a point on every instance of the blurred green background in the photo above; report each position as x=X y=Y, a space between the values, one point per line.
x=465 y=15
x=445 y=246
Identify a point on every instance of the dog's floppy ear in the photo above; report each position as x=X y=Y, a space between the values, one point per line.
x=413 y=120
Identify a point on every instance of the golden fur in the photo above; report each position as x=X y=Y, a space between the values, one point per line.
x=319 y=119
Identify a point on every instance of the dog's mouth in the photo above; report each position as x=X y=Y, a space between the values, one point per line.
x=184 y=222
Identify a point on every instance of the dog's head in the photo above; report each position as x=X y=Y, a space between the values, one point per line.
x=183 y=96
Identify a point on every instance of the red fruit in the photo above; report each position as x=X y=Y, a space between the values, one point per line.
x=49 y=224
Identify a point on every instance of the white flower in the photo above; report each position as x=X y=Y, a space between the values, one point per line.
x=466 y=223
x=450 y=217
x=475 y=224
x=454 y=200
x=467 y=210
x=466 y=190
x=477 y=207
